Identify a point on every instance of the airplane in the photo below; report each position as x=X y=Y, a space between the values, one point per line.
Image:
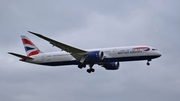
x=108 y=58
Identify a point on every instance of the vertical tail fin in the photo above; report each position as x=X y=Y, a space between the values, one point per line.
x=30 y=48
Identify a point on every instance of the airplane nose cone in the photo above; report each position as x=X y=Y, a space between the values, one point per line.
x=158 y=54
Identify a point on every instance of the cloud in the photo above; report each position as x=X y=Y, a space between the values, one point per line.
x=90 y=24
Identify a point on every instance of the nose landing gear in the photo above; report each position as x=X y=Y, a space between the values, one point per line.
x=148 y=62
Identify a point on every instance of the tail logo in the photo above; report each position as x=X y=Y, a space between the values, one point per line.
x=30 y=48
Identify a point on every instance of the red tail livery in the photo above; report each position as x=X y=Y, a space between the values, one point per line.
x=30 y=48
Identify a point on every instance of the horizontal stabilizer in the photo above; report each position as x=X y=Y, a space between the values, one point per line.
x=20 y=56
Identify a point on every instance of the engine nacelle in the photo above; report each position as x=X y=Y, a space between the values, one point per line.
x=95 y=56
x=111 y=66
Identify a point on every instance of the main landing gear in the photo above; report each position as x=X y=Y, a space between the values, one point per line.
x=90 y=68
x=148 y=62
x=81 y=66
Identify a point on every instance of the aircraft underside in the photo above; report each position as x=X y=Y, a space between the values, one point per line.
x=104 y=61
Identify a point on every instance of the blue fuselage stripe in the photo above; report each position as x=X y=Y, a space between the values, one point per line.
x=123 y=59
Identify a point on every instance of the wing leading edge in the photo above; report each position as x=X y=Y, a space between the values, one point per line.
x=78 y=54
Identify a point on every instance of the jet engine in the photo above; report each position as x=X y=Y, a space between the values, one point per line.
x=111 y=66
x=95 y=56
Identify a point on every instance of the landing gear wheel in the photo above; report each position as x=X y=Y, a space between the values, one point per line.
x=92 y=70
x=89 y=70
x=81 y=66
x=148 y=63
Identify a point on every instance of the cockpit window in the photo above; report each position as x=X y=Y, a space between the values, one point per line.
x=142 y=48
x=147 y=49
x=154 y=49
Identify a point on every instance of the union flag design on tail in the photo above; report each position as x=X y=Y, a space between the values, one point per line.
x=30 y=48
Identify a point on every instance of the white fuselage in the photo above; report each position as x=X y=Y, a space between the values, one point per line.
x=108 y=58
x=116 y=54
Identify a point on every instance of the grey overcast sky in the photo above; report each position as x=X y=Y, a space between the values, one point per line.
x=91 y=24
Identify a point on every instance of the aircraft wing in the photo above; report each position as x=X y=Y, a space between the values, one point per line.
x=78 y=54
